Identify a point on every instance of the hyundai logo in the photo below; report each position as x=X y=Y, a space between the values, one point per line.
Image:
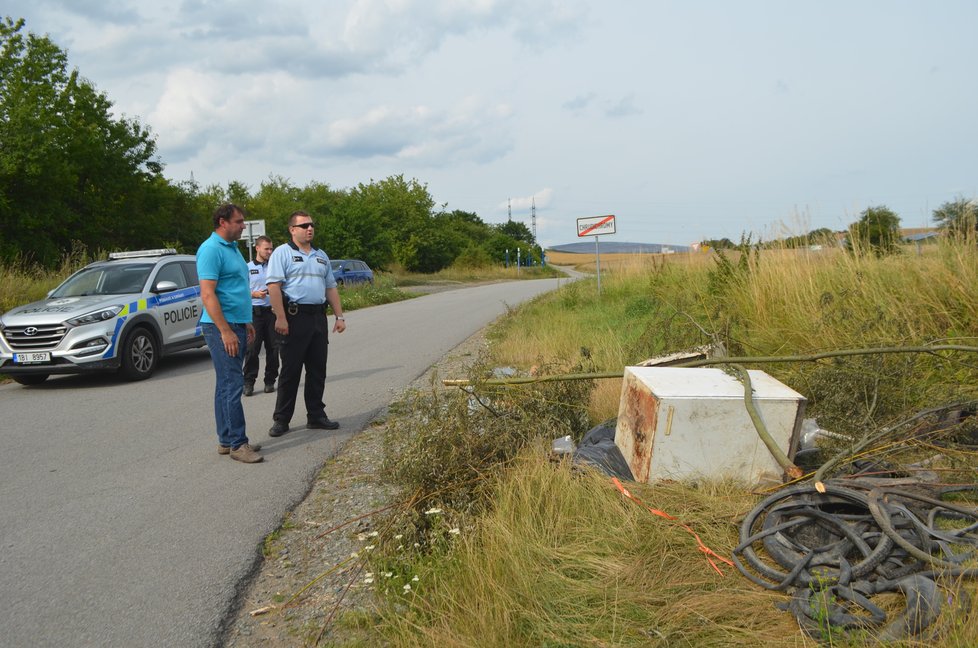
x=30 y=330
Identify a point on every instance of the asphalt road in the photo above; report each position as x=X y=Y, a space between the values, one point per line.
x=120 y=525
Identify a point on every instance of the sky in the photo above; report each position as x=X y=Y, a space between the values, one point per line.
x=686 y=120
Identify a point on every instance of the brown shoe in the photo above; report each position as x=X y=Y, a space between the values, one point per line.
x=223 y=450
x=246 y=454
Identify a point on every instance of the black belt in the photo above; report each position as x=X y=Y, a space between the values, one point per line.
x=261 y=309
x=292 y=308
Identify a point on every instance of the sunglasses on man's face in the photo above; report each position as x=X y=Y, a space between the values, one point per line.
x=305 y=225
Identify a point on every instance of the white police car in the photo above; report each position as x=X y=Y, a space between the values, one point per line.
x=121 y=314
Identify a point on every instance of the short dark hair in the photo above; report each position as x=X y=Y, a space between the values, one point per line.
x=225 y=212
x=262 y=239
x=296 y=214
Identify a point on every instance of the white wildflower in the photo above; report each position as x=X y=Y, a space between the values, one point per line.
x=415 y=579
x=454 y=531
x=399 y=536
x=388 y=574
x=407 y=588
x=374 y=534
x=368 y=548
x=354 y=555
x=433 y=511
x=368 y=580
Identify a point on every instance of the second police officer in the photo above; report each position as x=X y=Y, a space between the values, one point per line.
x=300 y=282
x=263 y=320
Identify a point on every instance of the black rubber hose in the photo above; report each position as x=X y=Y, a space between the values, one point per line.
x=883 y=516
x=833 y=494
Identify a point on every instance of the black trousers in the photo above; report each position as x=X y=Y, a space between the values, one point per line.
x=306 y=345
x=263 y=320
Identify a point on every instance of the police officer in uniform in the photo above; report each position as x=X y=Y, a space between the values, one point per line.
x=300 y=282
x=263 y=320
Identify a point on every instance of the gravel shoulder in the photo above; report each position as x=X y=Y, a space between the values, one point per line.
x=306 y=574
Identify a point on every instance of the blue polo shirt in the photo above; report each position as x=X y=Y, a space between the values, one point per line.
x=305 y=278
x=221 y=261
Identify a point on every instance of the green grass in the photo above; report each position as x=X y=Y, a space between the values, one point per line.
x=473 y=275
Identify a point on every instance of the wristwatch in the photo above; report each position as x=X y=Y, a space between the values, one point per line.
x=340 y=317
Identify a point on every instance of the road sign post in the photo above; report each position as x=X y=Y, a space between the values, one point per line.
x=595 y=226
x=253 y=229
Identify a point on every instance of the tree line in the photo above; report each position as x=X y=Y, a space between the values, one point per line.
x=73 y=173
x=877 y=230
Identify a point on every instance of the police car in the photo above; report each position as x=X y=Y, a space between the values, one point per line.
x=122 y=314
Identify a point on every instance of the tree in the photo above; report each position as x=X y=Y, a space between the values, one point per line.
x=878 y=229
x=517 y=230
x=719 y=244
x=69 y=170
x=958 y=216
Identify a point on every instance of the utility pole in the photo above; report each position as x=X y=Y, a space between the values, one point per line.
x=533 y=218
x=509 y=204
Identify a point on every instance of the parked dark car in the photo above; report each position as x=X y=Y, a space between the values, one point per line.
x=349 y=272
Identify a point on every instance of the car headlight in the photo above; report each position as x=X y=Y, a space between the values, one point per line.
x=96 y=316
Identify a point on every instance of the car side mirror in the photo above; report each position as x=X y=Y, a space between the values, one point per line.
x=164 y=287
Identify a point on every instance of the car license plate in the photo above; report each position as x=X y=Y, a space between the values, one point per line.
x=32 y=358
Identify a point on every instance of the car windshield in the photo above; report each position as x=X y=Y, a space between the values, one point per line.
x=106 y=280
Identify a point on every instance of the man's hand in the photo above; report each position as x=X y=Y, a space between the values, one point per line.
x=230 y=339
x=250 y=328
x=339 y=326
x=281 y=325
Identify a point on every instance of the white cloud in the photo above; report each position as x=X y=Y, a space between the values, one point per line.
x=624 y=107
x=470 y=131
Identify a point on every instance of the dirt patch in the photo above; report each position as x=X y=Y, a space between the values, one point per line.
x=308 y=574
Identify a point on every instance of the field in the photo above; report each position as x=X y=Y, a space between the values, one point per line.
x=527 y=551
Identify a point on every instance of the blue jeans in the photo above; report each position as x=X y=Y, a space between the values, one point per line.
x=228 y=412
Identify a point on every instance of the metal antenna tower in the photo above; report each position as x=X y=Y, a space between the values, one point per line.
x=533 y=217
x=509 y=204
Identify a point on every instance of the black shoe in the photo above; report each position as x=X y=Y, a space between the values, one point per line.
x=249 y=389
x=322 y=424
x=278 y=429
x=269 y=388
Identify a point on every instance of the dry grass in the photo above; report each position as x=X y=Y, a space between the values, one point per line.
x=586 y=262
x=564 y=560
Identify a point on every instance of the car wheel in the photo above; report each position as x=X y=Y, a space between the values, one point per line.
x=339 y=283
x=30 y=379
x=139 y=355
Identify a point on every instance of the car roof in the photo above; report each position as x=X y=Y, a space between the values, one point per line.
x=154 y=259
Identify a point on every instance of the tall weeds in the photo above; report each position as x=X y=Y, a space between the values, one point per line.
x=24 y=280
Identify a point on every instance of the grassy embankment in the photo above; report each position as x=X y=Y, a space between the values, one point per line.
x=515 y=550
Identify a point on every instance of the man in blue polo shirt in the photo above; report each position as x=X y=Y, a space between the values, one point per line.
x=226 y=325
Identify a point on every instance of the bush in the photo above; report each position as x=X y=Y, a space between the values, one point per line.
x=443 y=447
